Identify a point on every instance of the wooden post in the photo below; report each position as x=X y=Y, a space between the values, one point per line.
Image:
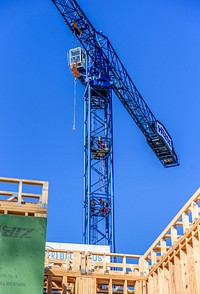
x=94 y=286
x=155 y=282
x=83 y=263
x=44 y=199
x=89 y=262
x=143 y=267
x=68 y=261
x=76 y=261
x=166 y=278
x=174 y=235
x=20 y=193
x=191 y=266
x=138 y=287
x=172 y=286
x=47 y=258
x=124 y=264
x=64 y=285
x=125 y=287
x=104 y=263
x=153 y=257
x=49 y=283
x=184 y=271
x=195 y=211
x=186 y=223
x=150 y=285
x=163 y=246
x=77 y=285
x=110 y=287
x=177 y=275
x=196 y=250
x=160 y=280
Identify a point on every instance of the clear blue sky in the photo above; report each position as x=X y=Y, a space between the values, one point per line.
x=159 y=44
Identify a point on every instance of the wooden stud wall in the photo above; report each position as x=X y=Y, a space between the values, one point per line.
x=178 y=272
x=181 y=223
x=170 y=266
x=70 y=283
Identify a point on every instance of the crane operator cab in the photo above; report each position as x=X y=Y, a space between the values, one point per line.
x=77 y=62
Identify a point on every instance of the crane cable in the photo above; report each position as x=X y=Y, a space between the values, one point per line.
x=76 y=75
x=74 y=119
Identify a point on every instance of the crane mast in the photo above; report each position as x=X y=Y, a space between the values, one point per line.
x=100 y=70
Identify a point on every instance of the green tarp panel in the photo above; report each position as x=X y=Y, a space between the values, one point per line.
x=22 y=250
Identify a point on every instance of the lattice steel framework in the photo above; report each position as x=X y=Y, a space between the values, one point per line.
x=105 y=73
x=98 y=159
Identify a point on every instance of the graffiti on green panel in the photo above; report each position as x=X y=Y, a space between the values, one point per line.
x=22 y=247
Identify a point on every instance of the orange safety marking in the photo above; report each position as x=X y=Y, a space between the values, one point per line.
x=76 y=28
x=75 y=71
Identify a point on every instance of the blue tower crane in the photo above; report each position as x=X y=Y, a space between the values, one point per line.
x=99 y=69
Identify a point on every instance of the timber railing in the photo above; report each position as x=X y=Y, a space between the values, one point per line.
x=93 y=262
x=25 y=197
x=176 y=229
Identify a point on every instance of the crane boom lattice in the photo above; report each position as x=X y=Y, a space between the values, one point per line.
x=101 y=71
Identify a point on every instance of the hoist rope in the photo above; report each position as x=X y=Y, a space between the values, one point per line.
x=74 y=119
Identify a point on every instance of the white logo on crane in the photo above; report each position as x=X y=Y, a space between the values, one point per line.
x=163 y=133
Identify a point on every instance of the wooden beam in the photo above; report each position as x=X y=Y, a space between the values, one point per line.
x=174 y=222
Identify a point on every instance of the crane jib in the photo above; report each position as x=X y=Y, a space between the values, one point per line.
x=95 y=42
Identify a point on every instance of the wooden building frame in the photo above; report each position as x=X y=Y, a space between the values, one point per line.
x=170 y=266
